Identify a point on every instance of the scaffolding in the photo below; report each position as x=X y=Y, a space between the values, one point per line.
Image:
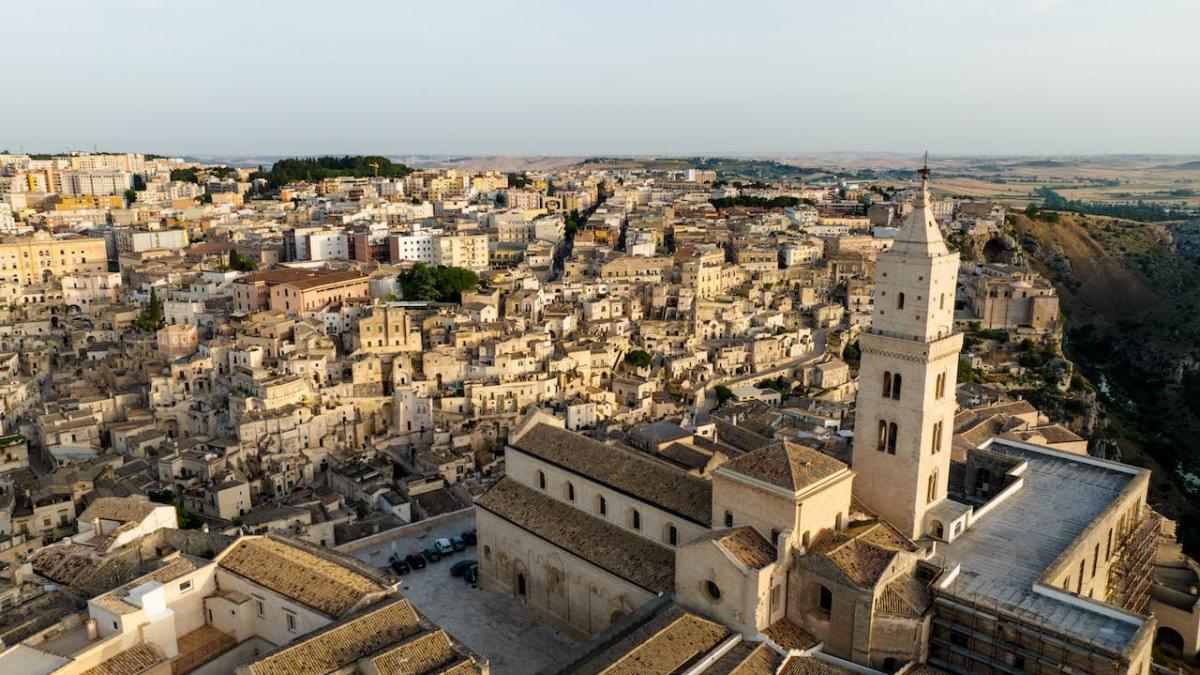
x=972 y=636
x=1131 y=574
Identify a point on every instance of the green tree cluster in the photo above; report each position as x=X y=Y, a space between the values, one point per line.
x=314 y=169
x=437 y=284
x=755 y=202
x=638 y=358
x=151 y=318
x=239 y=263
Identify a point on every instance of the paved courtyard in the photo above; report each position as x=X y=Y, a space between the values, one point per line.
x=497 y=627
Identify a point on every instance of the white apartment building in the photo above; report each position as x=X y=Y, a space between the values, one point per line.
x=136 y=241
x=414 y=247
x=328 y=245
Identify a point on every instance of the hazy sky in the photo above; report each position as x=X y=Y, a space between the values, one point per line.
x=608 y=77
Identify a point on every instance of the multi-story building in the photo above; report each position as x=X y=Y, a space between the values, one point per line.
x=296 y=291
x=40 y=257
x=1005 y=298
x=469 y=251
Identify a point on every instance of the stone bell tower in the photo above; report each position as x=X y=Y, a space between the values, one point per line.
x=906 y=405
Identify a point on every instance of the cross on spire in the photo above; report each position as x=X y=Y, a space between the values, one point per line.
x=924 y=170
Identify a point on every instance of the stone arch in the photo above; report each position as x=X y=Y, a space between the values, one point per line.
x=1169 y=639
x=937 y=529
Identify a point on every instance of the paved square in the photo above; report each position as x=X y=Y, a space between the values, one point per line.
x=497 y=627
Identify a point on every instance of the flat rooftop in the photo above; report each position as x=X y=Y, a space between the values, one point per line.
x=1009 y=549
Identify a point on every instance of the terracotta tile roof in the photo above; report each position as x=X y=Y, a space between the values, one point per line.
x=615 y=549
x=790 y=636
x=134 y=660
x=424 y=653
x=745 y=544
x=785 y=464
x=747 y=658
x=665 y=644
x=624 y=470
x=860 y=555
x=316 y=581
x=376 y=629
x=114 y=600
x=737 y=437
x=905 y=596
x=123 y=509
x=808 y=665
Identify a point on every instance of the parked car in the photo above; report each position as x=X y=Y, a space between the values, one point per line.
x=400 y=567
x=460 y=568
x=469 y=537
x=444 y=546
x=471 y=576
x=458 y=544
x=432 y=554
x=415 y=560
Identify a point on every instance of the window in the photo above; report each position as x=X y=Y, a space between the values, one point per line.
x=1095 y=559
x=900 y=301
x=896 y=381
x=883 y=435
x=1079 y=581
x=824 y=600
x=959 y=639
x=635 y=519
x=936 y=444
x=672 y=535
x=1108 y=546
x=887 y=384
x=942 y=302
x=939 y=387
x=931 y=489
x=262 y=610
x=601 y=505
x=570 y=492
x=487 y=552
x=185 y=586
x=729 y=519
x=291 y=622
x=541 y=480
x=774 y=537
x=892 y=433
x=712 y=590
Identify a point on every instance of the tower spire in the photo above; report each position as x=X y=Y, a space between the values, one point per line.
x=924 y=171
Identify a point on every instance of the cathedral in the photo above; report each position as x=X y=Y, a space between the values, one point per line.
x=916 y=557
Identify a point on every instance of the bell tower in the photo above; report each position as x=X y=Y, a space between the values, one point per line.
x=906 y=405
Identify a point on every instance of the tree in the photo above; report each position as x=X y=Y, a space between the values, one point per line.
x=151 y=319
x=237 y=262
x=723 y=393
x=437 y=284
x=139 y=183
x=638 y=358
x=130 y=196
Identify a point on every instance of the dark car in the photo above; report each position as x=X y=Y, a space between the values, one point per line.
x=415 y=561
x=458 y=544
x=400 y=567
x=432 y=554
x=471 y=576
x=469 y=538
x=460 y=568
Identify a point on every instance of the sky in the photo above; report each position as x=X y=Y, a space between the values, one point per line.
x=567 y=77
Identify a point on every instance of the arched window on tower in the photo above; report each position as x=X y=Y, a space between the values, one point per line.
x=896 y=381
x=942 y=302
x=887 y=384
x=939 y=387
x=900 y=301
x=931 y=490
x=883 y=435
x=891 y=440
